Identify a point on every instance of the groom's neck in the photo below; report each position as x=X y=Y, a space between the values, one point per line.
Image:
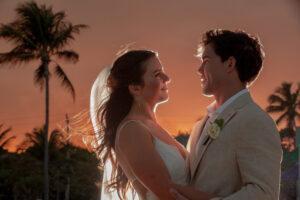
x=224 y=94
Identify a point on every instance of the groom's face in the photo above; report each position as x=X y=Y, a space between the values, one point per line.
x=212 y=71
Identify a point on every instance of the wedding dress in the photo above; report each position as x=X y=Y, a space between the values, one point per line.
x=171 y=156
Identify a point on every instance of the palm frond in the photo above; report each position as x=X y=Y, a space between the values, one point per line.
x=68 y=55
x=40 y=75
x=297 y=93
x=9 y=32
x=59 y=17
x=284 y=90
x=275 y=99
x=281 y=118
x=65 y=33
x=7 y=141
x=33 y=20
x=65 y=82
x=4 y=133
x=16 y=56
x=56 y=138
x=78 y=27
x=14 y=32
x=36 y=137
x=274 y=109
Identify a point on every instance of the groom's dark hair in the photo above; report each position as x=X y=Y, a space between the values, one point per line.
x=246 y=49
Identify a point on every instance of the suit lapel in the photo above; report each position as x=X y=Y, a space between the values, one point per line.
x=197 y=133
x=193 y=141
x=227 y=115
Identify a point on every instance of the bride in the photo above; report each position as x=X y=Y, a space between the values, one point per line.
x=143 y=156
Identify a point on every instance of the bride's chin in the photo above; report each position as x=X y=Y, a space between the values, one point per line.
x=163 y=100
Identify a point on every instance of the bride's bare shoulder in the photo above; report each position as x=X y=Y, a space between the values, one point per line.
x=131 y=130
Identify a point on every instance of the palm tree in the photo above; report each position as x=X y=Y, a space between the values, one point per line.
x=65 y=166
x=183 y=137
x=34 y=143
x=40 y=34
x=3 y=137
x=287 y=103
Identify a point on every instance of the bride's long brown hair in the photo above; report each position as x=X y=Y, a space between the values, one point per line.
x=127 y=69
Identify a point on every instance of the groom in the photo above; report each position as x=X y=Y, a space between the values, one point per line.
x=235 y=151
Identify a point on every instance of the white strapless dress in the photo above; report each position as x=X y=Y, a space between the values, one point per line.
x=174 y=162
x=172 y=158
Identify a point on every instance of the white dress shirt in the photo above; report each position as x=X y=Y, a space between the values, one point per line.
x=213 y=113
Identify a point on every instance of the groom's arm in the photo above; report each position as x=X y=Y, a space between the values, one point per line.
x=259 y=155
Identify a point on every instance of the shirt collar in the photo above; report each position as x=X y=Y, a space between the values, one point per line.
x=213 y=112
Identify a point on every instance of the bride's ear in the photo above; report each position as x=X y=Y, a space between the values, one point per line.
x=134 y=89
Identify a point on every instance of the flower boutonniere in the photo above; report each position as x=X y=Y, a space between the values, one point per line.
x=215 y=128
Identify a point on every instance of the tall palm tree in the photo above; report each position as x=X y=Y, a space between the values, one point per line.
x=38 y=33
x=287 y=103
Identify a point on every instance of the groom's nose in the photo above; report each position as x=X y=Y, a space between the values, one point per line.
x=200 y=69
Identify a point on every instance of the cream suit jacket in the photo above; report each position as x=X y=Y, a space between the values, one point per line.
x=243 y=162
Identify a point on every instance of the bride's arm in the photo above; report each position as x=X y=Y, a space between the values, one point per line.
x=136 y=146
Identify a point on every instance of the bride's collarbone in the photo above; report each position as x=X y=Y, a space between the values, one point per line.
x=166 y=138
x=159 y=133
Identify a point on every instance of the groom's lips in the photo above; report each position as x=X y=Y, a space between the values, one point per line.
x=202 y=79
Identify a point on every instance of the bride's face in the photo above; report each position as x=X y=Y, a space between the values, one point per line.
x=155 y=88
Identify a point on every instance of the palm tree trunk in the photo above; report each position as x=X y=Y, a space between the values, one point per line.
x=46 y=144
x=292 y=126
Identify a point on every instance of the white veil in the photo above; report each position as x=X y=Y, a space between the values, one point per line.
x=99 y=94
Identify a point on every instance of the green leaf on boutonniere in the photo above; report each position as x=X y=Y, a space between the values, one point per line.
x=220 y=123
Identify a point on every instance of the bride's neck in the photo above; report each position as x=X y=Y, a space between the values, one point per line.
x=142 y=110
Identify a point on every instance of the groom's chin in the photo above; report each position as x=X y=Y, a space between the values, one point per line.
x=206 y=93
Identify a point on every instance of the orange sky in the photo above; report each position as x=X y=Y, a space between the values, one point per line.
x=171 y=27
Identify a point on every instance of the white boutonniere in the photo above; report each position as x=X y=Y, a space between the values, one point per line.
x=215 y=128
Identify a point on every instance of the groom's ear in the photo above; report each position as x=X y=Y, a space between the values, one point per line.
x=230 y=64
x=134 y=89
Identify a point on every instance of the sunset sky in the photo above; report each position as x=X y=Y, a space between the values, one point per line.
x=171 y=27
